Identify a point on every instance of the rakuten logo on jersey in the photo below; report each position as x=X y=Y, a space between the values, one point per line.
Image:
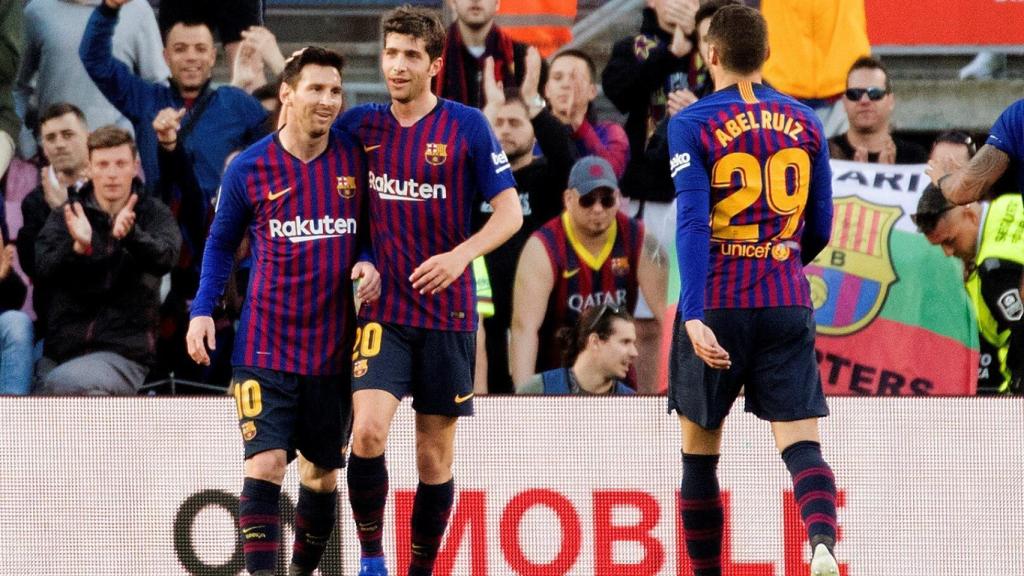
x=409 y=190
x=304 y=230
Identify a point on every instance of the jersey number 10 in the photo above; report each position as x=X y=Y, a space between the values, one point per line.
x=772 y=180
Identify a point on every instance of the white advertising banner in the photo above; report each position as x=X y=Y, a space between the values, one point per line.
x=546 y=486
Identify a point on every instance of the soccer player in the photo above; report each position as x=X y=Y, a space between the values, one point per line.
x=754 y=164
x=429 y=161
x=299 y=195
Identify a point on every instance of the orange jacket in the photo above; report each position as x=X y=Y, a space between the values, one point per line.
x=546 y=24
x=813 y=44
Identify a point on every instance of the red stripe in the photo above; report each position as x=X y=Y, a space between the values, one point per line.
x=816 y=495
x=705 y=504
x=247 y=520
x=876 y=218
x=260 y=546
x=820 y=519
x=705 y=563
x=817 y=471
x=698 y=535
x=846 y=303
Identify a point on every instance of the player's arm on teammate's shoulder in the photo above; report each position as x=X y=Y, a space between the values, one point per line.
x=652 y=275
x=1001 y=290
x=533 y=285
x=818 y=212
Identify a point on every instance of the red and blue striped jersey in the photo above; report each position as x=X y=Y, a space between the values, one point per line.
x=424 y=180
x=304 y=223
x=583 y=280
x=754 y=199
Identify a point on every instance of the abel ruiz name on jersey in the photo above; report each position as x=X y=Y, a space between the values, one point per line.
x=306 y=229
x=387 y=188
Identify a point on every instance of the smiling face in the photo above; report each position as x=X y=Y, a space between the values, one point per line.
x=407 y=67
x=315 y=100
x=190 y=55
x=617 y=352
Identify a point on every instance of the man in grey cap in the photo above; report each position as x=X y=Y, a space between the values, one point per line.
x=590 y=255
x=989 y=239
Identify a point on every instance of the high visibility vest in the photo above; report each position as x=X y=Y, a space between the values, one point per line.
x=546 y=24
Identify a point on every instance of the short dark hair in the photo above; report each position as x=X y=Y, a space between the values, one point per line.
x=740 y=36
x=710 y=8
x=931 y=208
x=310 y=55
x=958 y=137
x=418 y=22
x=513 y=95
x=594 y=320
x=575 y=53
x=110 y=136
x=267 y=91
x=59 y=109
x=189 y=22
x=869 y=63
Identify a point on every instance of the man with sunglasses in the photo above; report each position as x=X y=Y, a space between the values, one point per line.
x=993 y=259
x=754 y=190
x=591 y=255
x=869 y=102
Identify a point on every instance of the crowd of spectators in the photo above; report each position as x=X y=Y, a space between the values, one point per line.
x=113 y=108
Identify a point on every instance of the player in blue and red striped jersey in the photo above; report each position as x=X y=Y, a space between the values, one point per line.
x=429 y=160
x=300 y=197
x=754 y=164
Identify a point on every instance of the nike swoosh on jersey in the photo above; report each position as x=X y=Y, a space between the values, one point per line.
x=461 y=399
x=278 y=194
x=371 y=148
x=570 y=273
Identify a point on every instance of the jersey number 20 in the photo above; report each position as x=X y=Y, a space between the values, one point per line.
x=772 y=180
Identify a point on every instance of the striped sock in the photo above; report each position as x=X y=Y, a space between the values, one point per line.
x=259 y=518
x=314 y=521
x=814 y=488
x=430 y=511
x=368 y=493
x=701 y=505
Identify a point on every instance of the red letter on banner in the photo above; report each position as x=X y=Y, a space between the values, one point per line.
x=469 y=512
x=683 y=567
x=795 y=544
x=568 y=523
x=606 y=534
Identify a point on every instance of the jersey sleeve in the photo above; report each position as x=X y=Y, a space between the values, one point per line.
x=348 y=123
x=234 y=212
x=491 y=169
x=693 y=199
x=818 y=213
x=1007 y=134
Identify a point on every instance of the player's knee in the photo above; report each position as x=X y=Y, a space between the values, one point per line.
x=433 y=464
x=269 y=466
x=315 y=478
x=369 y=438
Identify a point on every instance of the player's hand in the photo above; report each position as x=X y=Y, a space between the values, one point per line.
x=706 y=346
x=201 y=334
x=438 y=272
x=125 y=219
x=679 y=99
x=78 y=227
x=369 y=281
x=941 y=167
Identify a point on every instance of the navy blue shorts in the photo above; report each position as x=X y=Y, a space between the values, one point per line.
x=772 y=353
x=434 y=366
x=278 y=410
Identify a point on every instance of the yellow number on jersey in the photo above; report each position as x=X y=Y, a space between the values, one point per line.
x=248 y=399
x=368 y=340
x=752 y=183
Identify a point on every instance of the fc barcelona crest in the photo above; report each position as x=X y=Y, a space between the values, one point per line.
x=436 y=153
x=359 y=368
x=851 y=277
x=346 y=186
x=620 y=266
x=248 y=430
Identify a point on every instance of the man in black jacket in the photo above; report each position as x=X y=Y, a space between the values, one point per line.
x=103 y=255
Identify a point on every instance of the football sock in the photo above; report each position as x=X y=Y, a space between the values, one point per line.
x=430 y=511
x=814 y=488
x=703 y=518
x=368 y=493
x=314 y=521
x=259 y=517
